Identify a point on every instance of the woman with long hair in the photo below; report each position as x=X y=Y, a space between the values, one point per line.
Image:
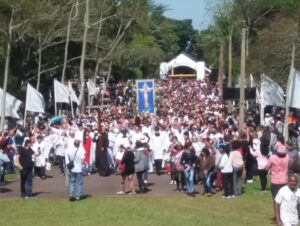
x=188 y=160
x=178 y=168
x=207 y=166
x=262 y=160
x=238 y=164
x=280 y=144
x=127 y=171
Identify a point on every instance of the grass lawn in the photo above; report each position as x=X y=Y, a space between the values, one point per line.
x=252 y=208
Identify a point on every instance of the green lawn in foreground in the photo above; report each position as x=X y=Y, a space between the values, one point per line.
x=252 y=208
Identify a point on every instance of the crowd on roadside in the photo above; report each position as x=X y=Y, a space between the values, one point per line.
x=192 y=137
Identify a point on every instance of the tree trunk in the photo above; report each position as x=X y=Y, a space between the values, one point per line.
x=247 y=44
x=97 y=44
x=39 y=63
x=83 y=53
x=221 y=68
x=6 y=69
x=242 y=79
x=67 y=44
x=229 y=61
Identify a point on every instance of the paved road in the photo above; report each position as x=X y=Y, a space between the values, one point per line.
x=55 y=186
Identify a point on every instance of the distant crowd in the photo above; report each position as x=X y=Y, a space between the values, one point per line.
x=192 y=137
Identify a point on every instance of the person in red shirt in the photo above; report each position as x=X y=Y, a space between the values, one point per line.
x=87 y=144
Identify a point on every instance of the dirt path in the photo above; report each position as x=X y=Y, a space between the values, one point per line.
x=55 y=186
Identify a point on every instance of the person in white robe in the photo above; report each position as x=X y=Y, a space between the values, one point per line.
x=40 y=160
x=157 y=147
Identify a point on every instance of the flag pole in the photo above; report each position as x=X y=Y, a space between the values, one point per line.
x=71 y=103
x=287 y=94
x=25 y=115
x=55 y=107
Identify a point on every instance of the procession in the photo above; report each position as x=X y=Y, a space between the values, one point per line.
x=118 y=113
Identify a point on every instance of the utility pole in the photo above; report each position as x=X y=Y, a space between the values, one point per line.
x=242 y=79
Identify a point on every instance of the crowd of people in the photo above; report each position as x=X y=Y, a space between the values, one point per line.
x=193 y=137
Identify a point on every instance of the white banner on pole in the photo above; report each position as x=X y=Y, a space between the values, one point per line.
x=61 y=93
x=34 y=100
x=271 y=93
x=295 y=90
x=72 y=94
x=12 y=105
x=92 y=89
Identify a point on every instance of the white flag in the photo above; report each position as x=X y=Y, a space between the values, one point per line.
x=295 y=90
x=257 y=96
x=252 y=83
x=12 y=105
x=34 y=100
x=93 y=91
x=61 y=93
x=72 y=94
x=271 y=93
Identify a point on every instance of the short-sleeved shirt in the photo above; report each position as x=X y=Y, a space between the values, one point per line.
x=26 y=158
x=75 y=154
x=279 y=169
x=288 y=201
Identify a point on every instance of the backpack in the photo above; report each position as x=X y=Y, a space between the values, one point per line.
x=177 y=159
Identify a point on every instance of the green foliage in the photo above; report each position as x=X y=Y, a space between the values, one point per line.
x=273 y=25
x=149 y=39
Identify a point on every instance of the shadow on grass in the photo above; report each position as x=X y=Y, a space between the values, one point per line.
x=35 y=194
x=87 y=196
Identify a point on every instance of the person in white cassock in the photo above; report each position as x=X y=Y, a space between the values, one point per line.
x=157 y=147
x=287 y=203
x=60 y=149
x=40 y=160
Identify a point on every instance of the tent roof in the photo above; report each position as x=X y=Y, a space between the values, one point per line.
x=183 y=60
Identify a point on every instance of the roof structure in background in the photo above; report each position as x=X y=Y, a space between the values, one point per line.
x=184 y=66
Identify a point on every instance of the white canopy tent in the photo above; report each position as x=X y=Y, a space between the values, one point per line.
x=184 y=66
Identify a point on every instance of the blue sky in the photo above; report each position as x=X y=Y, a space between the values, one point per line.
x=197 y=10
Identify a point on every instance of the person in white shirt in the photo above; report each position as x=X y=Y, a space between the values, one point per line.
x=262 y=161
x=75 y=154
x=287 y=203
x=226 y=167
x=60 y=149
x=112 y=134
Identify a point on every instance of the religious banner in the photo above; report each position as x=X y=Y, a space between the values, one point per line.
x=145 y=95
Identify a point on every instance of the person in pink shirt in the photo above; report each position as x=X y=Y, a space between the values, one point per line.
x=278 y=165
x=280 y=144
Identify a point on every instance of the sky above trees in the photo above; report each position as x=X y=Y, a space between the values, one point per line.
x=197 y=10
